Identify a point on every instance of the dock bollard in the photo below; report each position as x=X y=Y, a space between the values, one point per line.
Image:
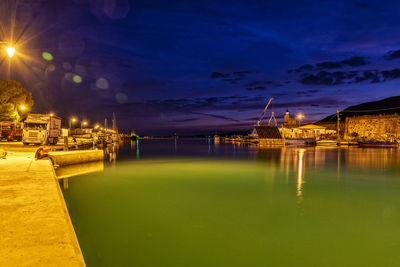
x=65 y=143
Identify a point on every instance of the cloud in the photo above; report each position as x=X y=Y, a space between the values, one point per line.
x=393 y=54
x=242 y=73
x=321 y=78
x=257 y=88
x=325 y=65
x=216 y=75
x=349 y=77
x=215 y=116
x=260 y=85
x=355 y=61
x=305 y=67
x=186 y=120
x=233 y=75
x=329 y=65
x=391 y=74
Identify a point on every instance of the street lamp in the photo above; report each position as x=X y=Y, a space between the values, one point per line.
x=300 y=117
x=83 y=123
x=71 y=121
x=9 y=49
x=22 y=107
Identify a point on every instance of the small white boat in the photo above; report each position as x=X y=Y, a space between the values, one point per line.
x=327 y=143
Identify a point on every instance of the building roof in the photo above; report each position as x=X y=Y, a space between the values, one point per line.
x=268 y=132
x=311 y=126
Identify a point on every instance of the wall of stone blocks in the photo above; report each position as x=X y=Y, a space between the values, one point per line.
x=385 y=127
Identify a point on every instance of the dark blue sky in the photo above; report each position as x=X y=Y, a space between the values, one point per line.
x=202 y=66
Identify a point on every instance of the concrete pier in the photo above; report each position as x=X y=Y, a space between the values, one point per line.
x=35 y=228
x=61 y=158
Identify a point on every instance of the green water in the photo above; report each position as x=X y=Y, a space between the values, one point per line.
x=295 y=208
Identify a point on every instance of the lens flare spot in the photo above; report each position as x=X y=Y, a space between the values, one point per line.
x=51 y=68
x=102 y=83
x=121 y=98
x=77 y=79
x=80 y=69
x=67 y=66
x=47 y=56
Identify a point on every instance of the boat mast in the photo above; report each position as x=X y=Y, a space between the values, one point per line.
x=338 y=125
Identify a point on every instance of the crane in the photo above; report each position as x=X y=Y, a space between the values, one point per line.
x=265 y=110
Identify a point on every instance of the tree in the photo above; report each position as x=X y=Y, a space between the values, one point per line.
x=12 y=97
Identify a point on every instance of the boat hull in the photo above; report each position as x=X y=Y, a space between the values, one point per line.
x=327 y=143
x=300 y=142
x=378 y=144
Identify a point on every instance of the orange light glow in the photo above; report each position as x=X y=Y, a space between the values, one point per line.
x=10 y=51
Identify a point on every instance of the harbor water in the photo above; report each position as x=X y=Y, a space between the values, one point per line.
x=190 y=202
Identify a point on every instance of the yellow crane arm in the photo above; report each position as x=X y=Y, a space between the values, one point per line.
x=265 y=110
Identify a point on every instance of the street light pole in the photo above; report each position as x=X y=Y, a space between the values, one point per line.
x=338 y=125
x=71 y=120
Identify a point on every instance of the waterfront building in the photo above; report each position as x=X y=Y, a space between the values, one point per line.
x=269 y=135
x=313 y=131
x=308 y=131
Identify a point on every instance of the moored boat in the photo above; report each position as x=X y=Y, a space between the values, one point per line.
x=378 y=144
x=327 y=143
x=300 y=141
x=348 y=143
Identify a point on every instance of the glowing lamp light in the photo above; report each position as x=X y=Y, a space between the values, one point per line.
x=10 y=51
x=51 y=114
x=22 y=107
x=73 y=120
x=300 y=116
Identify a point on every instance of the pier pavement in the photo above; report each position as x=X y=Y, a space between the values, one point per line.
x=35 y=228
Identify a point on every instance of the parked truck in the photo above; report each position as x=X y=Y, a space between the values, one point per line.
x=11 y=131
x=41 y=129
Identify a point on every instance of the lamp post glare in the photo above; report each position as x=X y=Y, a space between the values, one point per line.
x=300 y=117
x=71 y=121
x=10 y=51
x=22 y=107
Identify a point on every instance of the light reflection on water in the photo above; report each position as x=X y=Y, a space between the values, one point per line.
x=193 y=203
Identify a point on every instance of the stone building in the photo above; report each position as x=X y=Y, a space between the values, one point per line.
x=373 y=127
x=289 y=122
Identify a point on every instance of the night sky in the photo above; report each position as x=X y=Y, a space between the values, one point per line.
x=192 y=67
